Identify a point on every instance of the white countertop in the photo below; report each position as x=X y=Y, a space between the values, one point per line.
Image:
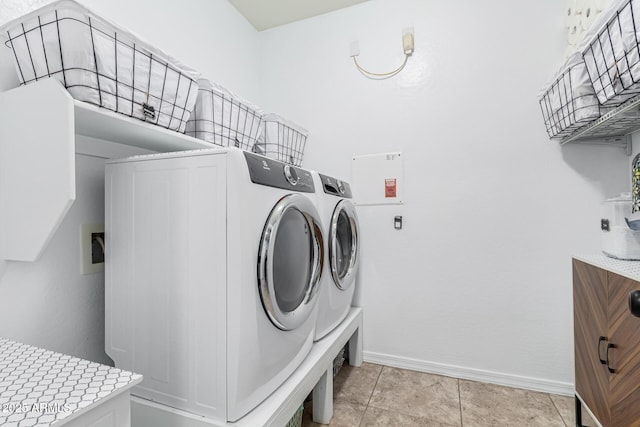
x=41 y=388
x=629 y=269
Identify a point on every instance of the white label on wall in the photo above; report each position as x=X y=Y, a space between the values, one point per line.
x=378 y=179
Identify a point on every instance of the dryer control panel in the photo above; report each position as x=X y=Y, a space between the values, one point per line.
x=335 y=187
x=272 y=173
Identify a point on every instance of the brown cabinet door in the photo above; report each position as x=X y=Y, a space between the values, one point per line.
x=624 y=358
x=590 y=323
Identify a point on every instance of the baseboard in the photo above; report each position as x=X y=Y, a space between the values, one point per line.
x=517 y=381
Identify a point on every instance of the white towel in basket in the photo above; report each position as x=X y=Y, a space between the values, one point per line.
x=283 y=139
x=569 y=101
x=611 y=53
x=222 y=118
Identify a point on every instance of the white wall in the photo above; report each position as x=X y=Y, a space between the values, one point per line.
x=208 y=35
x=48 y=303
x=478 y=283
x=480 y=277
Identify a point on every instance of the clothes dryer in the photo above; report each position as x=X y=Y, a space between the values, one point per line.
x=341 y=231
x=213 y=263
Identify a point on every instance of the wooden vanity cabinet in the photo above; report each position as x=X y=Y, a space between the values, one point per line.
x=607 y=346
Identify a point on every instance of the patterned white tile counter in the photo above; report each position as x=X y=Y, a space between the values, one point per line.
x=629 y=269
x=41 y=388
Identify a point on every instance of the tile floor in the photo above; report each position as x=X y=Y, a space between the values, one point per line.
x=373 y=395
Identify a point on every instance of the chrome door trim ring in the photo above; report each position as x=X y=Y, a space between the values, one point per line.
x=349 y=209
x=293 y=319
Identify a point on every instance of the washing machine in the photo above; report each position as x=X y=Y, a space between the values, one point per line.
x=341 y=231
x=213 y=263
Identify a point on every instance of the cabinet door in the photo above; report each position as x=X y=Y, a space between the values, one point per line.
x=590 y=323
x=624 y=358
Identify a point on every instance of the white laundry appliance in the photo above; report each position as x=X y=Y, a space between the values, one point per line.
x=213 y=263
x=341 y=231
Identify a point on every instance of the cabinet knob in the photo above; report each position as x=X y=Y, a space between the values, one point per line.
x=634 y=303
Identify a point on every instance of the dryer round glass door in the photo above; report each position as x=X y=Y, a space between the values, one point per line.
x=343 y=244
x=290 y=261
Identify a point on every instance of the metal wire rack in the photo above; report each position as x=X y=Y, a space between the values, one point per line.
x=613 y=57
x=102 y=65
x=283 y=140
x=569 y=105
x=612 y=60
x=613 y=128
x=223 y=119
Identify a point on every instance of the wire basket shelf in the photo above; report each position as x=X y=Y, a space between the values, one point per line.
x=283 y=140
x=101 y=64
x=569 y=104
x=223 y=119
x=613 y=56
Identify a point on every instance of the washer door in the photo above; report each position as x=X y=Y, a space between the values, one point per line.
x=343 y=244
x=290 y=261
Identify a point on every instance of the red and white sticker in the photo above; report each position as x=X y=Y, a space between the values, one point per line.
x=390 y=188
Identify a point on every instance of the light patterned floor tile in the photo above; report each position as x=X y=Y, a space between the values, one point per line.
x=418 y=394
x=488 y=405
x=374 y=417
x=566 y=407
x=356 y=385
x=345 y=414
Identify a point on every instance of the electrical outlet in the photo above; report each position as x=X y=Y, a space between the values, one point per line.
x=92 y=248
x=354 y=48
x=407 y=41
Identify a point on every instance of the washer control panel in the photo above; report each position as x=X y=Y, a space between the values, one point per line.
x=336 y=187
x=272 y=173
